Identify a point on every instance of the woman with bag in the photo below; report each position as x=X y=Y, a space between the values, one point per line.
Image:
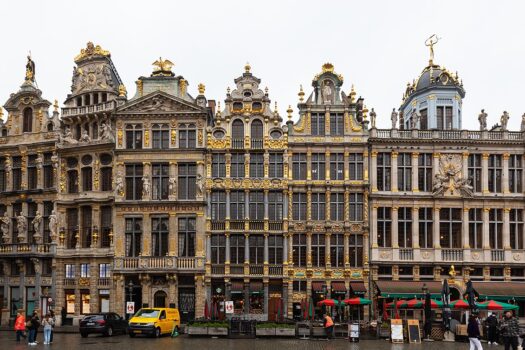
x=48 y=324
x=20 y=326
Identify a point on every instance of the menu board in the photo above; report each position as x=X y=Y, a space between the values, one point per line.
x=413 y=331
x=396 y=331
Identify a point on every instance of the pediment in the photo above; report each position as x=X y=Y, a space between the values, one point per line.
x=159 y=102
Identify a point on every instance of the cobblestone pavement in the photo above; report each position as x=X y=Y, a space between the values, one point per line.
x=94 y=342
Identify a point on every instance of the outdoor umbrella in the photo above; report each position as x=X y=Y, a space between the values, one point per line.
x=445 y=295
x=329 y=302
x=398 y=304
x=206 y=310
x=357 y=301
x=396 y=312
x=304 y=309
x=385 y=311
x=311 y=309
x=460 y=304
x=496 y=305
x=419 y=304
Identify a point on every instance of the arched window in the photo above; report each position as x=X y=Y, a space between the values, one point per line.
x=28 y=120
x=238 y=134
x=94 y=131
x=187 y=136
x=50 y=126
x=161 y=136
x=4 y=132
x=257 y=134
x=134 y=136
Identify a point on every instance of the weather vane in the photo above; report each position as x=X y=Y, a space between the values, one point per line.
x=430 y=42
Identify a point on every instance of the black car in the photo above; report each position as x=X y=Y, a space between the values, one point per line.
x=107 y=323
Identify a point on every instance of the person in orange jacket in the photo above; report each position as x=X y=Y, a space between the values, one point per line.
x=328 y=324
x=20 y=326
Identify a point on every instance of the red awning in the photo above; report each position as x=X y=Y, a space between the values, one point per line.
x=338 y=286
x=256 y=286
x=237 y=286
x=358 y=287
x=317 y=286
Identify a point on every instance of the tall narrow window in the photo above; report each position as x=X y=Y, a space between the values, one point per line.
x=218 y=205
x=133 y=234
x=404 y=227
x=448 y=118
x=318 y=249
x=424 y=172
x=3 y=179
x=257 y=134
x=383 y=171
x=187 y=180
x=237 y=134
x=475 y=228
x=237 y=205
x=48 y=208
x=474 y=171
x=218 y=165
x=187 y=232
x=423 y=119
x=134 y=136
x=47 y=168
x=72 y=181
x=495 y=173
x=299 y=166
x=515 y=173
x=337 y=250
x=404 y=172
x=275 y=206
x=218 y=249
x=256 y=243
x=318 y=206
x=318 y=166
x=31 y=213
x=134 y=174
x=356 y=250
x=384 y=227
x=299 y=206
x=106 y=225
x=17 y=173
x=356 y=166
x=425 y=227
x=87 y=178
x=516 y=228
x=160 y=181
x=337 y=206
x=276 y=165
x=256 y=205
x=161 y=136
x=28 y=120
x=318 y=123
x=337 y=166
x=356 y=206
x=299 y=249
x=496 y=228
x=275 y=249
x=337 y=124
x=237 y=166
x=450 y=221
x=87 y=224
x=187 y=138
x=237 y=247
x=256 y=165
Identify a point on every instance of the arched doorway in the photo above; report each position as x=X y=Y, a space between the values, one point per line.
x=159 y=299
x=454 y=293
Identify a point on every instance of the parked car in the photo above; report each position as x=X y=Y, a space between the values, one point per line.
x=154 y=321
x=107 y=323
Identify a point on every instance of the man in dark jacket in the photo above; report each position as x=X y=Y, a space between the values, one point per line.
x=510 y=330
x=492 y=325
x=473 y=333
x=34 y=323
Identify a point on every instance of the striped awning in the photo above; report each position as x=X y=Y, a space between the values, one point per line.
x=407 y=289
x=317 y=286
x=237 y=287
x=338 y=287
x=358 y=288
x=256 y=287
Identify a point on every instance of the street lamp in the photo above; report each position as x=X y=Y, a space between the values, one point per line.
x=130 y=291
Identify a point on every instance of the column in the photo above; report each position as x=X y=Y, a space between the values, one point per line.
x=327 y=163
x=415 y=178
x=373 y=170
x=347 y=164
x=246 y=248
x=173 y=235
x=395 y=233
x=290 y=249
x=365 y=166
x=346 y=239
x=373 y=227
x=247 y=165
x=415 y=227
x=309 y=249
x=485 y=172
x=228 y=257
x=285 y=248
x=486 y=241
x=228 y=217
x=506 y=228
x=266 y=249
x=327 y=249
x=435 y=231
x=309 y=164
x=146 y=235
x=208 y=247
x=505 y=182
x=394 y=171
x=39 y=172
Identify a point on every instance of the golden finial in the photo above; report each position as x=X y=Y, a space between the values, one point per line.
x=365 y=112
x=301 y=94
x=183 y=84
x=1 y=112
x=328 y=67
x=91 y=50
x=247 y=67
x=202 y=88
x=55 y=105
x=289 y=111
x=352 y=94
x=122 y=91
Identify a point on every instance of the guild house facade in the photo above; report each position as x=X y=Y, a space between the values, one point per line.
x=165 y=199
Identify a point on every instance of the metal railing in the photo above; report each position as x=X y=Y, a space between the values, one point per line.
x=236 y=224
x=238 y=143
x=257 y=225
x=217 y=269
x=275 y=225
x=452 y=254
x=275 y=270
x=256 y=270
x=237 y=269
x=218 y=225
x=406 y=254
x=257 y=143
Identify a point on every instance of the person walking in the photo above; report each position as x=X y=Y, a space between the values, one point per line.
x=492 y=325
x=54 y=319
x=328 y=325
x=473 y=333
x=48 y=324
x=20 y=326
x=510 y=331
x=33 y=325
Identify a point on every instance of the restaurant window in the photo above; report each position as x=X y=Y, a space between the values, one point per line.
x=159 y=236
x=299 y=249
x=516 y=228
x=384 y=171
x=133 y=232
x=299 y=166
x=384 y=227
x=475 y=228
x=134 y=173
x=495 y=173
x=318 y=249
x=450 y=227
x=187 y=181
x=70 y=301
x=475 y=171
x=404 y=227
x=318 y=166
x=187 y=231
x=299 y=206
x=425 y=227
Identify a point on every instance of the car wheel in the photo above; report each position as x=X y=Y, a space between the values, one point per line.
x=157 y=333
x=83 y=334
x=131 y=335
x=109 y=332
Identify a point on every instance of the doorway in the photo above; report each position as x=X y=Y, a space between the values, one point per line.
x=159 y=299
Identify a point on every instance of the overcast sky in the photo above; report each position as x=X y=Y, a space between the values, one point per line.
x=376 y=45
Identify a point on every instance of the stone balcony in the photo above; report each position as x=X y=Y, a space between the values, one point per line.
x=457 y=255
x=253 y=270
x=27 y=250
x=464 y=135
x=104 y=107
x=159 y=264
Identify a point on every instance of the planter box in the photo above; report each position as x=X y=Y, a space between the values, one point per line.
x=265 y=332
x=192 y=330
x=318 y=332
x=217 y=331
x=285 y=332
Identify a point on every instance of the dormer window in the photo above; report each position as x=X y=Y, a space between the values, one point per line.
x=28 y=120
x=257 y=106
x=237 y=106
x=247 y=94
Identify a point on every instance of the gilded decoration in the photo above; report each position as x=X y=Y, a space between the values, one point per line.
x=214 y=143
x=200 y=137
x=281 y=143
x=120 y=137
x=91 y=50
x=449 y=181
x=301 y=125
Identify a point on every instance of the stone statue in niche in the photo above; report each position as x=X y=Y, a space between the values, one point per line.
x=172 y=187
x=393 y=118
x=373 y=117
x=5 y=222
x=414 y=119
x=522 y=128
x=119 y=184
x=37 y=222
x=21 y=224
x=200 y=185
x=146 y=187
x=482 y=118
x=504 y=120
x=84 y=138
x=327 y=92
x=53 y=225
x=107 y=132
x=67 y=137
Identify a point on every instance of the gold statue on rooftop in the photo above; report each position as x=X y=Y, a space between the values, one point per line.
x=430 y=42
x=162 y=67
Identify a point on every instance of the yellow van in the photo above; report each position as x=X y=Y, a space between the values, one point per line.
x=154 y=321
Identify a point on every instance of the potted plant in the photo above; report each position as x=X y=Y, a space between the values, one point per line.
x=206 y=327
x=270 y=329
